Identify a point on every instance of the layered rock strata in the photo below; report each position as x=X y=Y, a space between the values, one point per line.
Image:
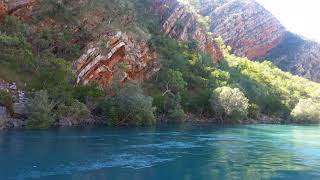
x=100 y=60
x=181 y=23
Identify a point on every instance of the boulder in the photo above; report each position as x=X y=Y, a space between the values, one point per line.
x=20 y=109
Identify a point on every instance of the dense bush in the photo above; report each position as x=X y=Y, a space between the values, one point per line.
x=40 y=110
x=176 y=114
x=6 y=100
x=173 y=108
x=91 y=91
x=253 y=111
x=129 y=106
x=307 y=110
x=230 y=102
x=76 y=112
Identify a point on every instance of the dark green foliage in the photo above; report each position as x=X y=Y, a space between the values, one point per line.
x=129 y=106
x=76 y=111
x=188 y=73
x=58 y=43
x=92 y=91
x=176 y=114
x=198 y=102
x=63 y=10
x=253 y=111
x=55 y=76
x=6 y=100
x=172 y=81
x=40 y=110
x=173 y=109
x=12 y=26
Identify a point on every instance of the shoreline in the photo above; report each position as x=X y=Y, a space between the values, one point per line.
x=20 y=124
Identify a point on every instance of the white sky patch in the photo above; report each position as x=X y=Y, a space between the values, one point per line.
x=298 y=16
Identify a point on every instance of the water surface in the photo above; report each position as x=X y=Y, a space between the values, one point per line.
x=164 y=153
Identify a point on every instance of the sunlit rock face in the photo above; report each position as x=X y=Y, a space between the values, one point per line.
x=99 y=62
x=244 y=25
x=180 y=23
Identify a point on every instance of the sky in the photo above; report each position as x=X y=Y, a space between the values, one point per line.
x=299 y=16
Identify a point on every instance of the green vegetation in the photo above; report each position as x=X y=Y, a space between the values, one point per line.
x=40 y=60
x=76 y=112
x=229 y=102
x=6 y=100
x=264 y=88
x=128 y=106
x=40 y=111
x=307 y=110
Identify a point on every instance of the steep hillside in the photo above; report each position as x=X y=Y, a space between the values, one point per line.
x=126 y=61
x=297 y=55
x=244 y=25
x=248 y=28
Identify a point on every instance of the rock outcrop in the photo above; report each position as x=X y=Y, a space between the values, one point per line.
x=19 y=8
x=101 y=57
x=245 y=25
x=181 y=23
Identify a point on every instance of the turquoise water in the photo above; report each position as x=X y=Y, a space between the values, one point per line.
x=163 y=153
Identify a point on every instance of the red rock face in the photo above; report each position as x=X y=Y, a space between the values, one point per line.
x=99 y=63
x=244 y=25
x=19 y=8
x=182 y=24
x=3 y=9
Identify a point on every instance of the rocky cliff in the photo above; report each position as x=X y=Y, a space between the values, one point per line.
x=180 y=23
x=244 y=25
x=247 y=27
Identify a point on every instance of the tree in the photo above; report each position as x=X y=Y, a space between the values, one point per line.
x=307 y=110
x=173 y=81
x=6 y=100
x=173 y=108
x=253 y=111
x=129 y=106
x=77 y=112
x=40 y=110
x=230 y=102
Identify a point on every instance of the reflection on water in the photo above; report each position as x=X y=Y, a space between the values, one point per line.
x=186 y=152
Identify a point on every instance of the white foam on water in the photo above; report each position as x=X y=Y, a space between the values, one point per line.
x=124 y=160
